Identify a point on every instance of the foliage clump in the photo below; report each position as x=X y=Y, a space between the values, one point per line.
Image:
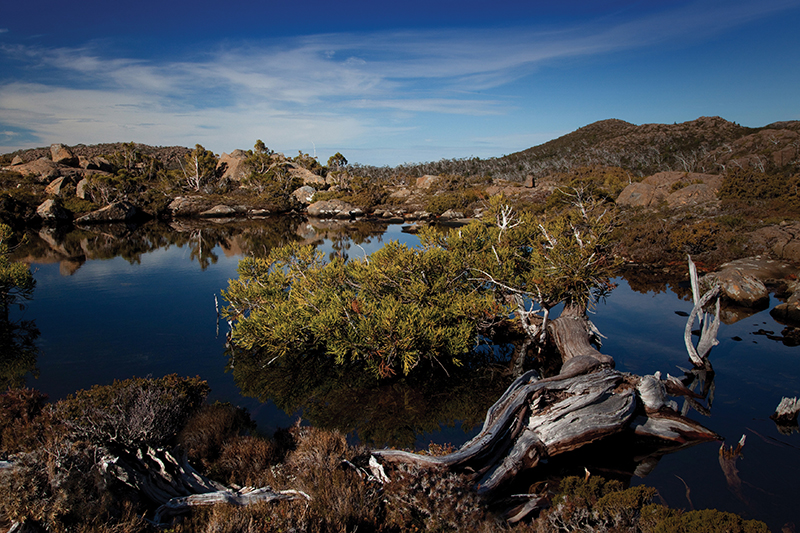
x=597 y=504
x=402 y=306
x=133 y=413
x=17 y=337
x=389 y=311
x=268 y=175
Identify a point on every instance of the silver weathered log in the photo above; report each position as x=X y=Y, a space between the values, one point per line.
x=708 y=328
x=244 y=497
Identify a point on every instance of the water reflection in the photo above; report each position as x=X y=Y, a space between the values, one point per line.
x=386 y=412
x=19 y=351
x=153 y=313
x=71 y=249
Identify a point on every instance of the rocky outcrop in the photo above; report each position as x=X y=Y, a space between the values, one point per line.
x=304 y=195
x=677 y=189
x=234 y=166
x=224 y=211
x=186 y=206
x=52 y=213
x=116 y=212
x=308 y=177
x=58 y=186
x=42 y=170
x=783 y=240
x=427 y=181
x=333 y=209
x=62 y=154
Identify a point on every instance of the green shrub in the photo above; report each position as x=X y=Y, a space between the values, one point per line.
x=456 y=200
x=708 y=521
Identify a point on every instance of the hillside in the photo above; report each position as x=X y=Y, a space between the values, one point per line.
x=707 y=144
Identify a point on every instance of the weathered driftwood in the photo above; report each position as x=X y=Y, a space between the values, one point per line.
x=785 y=415
x=787 y=411
x=709 y=328
x=158 y=474
x=168 y=479
x=246 y=496
x=537 y=419
x=727 y=462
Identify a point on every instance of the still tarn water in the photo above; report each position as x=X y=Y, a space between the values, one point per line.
x=123 y=302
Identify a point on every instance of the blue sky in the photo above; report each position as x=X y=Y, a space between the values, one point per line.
x=386 y=83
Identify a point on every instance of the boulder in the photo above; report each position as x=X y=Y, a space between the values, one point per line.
x=418 y=215
x=694 y=194
x=17 y=160
x=57 y=186
x=186 y=206
x=95 y=163
x=451 y=214
x=308 y=177
x=742 y=288
x=81 y=189
x=332 y=209
x=636 y=195
x=116 y=212
x=43 y=169
x=427 y=181
x=223 y=211
x=400 y=194
x=51 y=213
x=667 y=186
x=304 y=195
x=61 y=154
x=234 y=165
x=530 y=181
x=788 y=313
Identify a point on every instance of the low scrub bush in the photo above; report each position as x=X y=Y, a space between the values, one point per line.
x=23 y=423
x=597 y=504
x=208 y=429
x=135 y=412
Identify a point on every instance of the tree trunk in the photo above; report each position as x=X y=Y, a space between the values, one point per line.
x=572 y=333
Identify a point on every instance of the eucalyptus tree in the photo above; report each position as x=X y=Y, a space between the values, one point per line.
x=199 y=168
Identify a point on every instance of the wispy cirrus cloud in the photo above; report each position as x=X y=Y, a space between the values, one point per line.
x=329 y=89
